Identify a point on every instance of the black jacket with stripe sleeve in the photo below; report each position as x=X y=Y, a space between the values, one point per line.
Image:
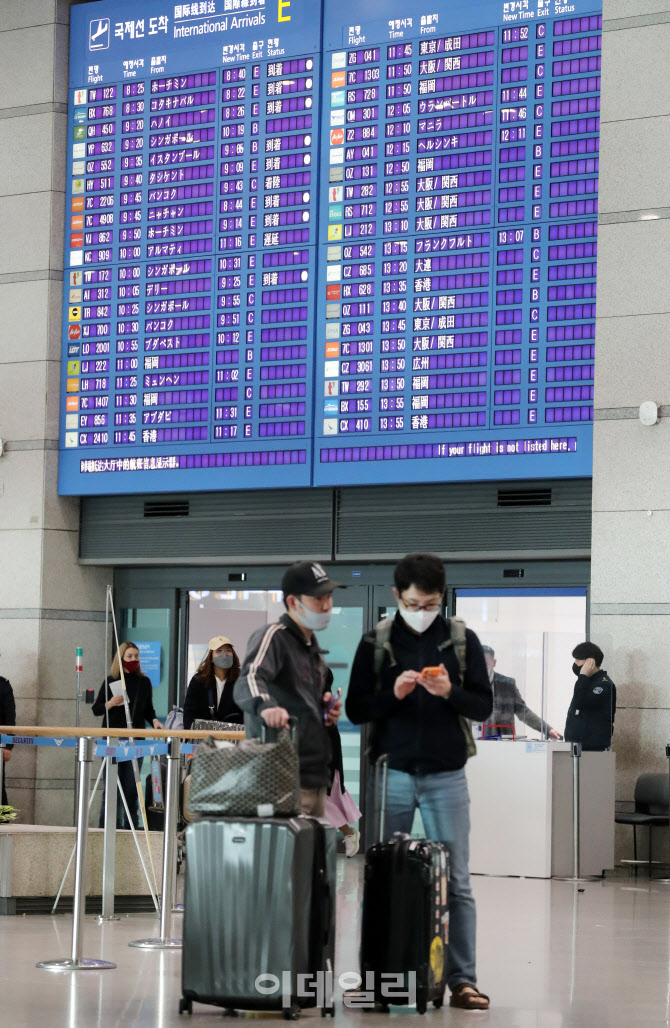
x=282 y=669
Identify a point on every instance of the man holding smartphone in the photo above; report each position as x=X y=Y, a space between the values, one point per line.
x=284 y=675
x=430 y=679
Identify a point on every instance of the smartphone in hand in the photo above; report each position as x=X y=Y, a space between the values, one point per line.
x=331 y=703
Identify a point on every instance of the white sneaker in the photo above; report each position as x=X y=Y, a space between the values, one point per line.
x=352 y=843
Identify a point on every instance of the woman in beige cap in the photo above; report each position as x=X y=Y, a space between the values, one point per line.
x=209 y=696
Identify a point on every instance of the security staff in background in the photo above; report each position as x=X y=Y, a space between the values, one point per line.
x=508 y=701
x=590 y=719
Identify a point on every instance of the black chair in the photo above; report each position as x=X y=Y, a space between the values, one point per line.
x=652 y=802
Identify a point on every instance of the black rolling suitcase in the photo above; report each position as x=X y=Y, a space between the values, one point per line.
x=259 y=914
x=405 y=929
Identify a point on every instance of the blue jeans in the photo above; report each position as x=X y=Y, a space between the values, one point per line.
x=445 y=808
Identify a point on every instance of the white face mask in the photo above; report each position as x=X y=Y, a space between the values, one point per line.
x=418 y=620
x=316 y=620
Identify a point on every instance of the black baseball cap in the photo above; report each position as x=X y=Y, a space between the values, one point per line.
x=308 y=578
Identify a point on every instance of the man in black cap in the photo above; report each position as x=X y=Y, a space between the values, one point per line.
x=284 y=675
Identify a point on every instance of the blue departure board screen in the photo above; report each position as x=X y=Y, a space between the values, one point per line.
x=335 y=244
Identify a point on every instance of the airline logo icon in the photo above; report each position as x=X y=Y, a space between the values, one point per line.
x=77 y=186
x=77 y=222
x=331 y=370
x=98 y=34
x=333 y=292
x=335 y=194
x=334 y=273
x=337 y=117
x=80 y=117
x=75 y=296
x=334 y=233
x=334 y=253
x=337 y=156
x=332 y=350
x=335 y=212
x=332 y=387
x=72 y=385
x=78 y=151
x=74 y=314
x=71 y=421
x=76 y=278
x=79 y=168
x=71 y=440
x=76 y=258
x=80 y=97
x=339 y=60
x=329 y=407
x=72 y=403
x=338 y=79
x=73 y=350
x=74 y=332
x=329 y=426
x=79 y=133
x=333 y=331
x=76 y=240
x=73 y=367
x=77 y=204
x=337 y=98
x=336 y=174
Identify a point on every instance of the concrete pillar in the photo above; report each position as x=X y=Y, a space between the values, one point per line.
x=48 y=603
x=631 y=473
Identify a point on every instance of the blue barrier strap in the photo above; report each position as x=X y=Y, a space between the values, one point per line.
x=122 y=753
x=37 y=740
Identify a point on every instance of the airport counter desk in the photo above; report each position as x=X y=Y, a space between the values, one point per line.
x=521 y=807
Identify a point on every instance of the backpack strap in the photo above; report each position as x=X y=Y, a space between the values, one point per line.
x=382 y=643
x=457 y=639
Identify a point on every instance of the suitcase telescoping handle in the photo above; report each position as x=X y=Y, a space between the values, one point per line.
x=292 y=728
x=381 y=786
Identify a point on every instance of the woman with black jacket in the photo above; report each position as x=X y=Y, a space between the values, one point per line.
x=109 y=706
x=209 y=696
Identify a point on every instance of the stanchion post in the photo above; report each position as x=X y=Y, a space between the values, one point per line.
x=576 y=854
x=169 y=844
x=109 y=841
x=2 y=769
x=85 y=751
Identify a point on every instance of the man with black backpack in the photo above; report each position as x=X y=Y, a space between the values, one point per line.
x=419 y=679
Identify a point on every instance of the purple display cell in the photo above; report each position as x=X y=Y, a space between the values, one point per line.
x=518 y=74
x=570 y=26
x=568 y=332
x=579 y=230
x=570 y=87
x=103 y=93
x=181 y=101
x=576 y=66
x=506 y=417
x=580 y=45
x=573 y=208
x=571 y=373
x=281 y=69
x=195 y=81
x=183 y=156
x=280 y=335
x=566 y=414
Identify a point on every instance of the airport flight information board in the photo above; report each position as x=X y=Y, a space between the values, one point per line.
x=329 y=244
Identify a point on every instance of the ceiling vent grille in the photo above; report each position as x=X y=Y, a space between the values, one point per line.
x=166 y=509
x=524 y=497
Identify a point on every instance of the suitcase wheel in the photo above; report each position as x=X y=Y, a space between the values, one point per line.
x=328 y=1011
x=185 y=1006
x=438 y=1002
x=292 y=1013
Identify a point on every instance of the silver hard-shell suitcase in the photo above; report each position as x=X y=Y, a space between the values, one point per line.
x=259 y=909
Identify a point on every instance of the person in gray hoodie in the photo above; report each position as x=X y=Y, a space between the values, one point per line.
x=285 y=676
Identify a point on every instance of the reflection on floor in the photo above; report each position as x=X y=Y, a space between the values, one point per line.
x=550 y=956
